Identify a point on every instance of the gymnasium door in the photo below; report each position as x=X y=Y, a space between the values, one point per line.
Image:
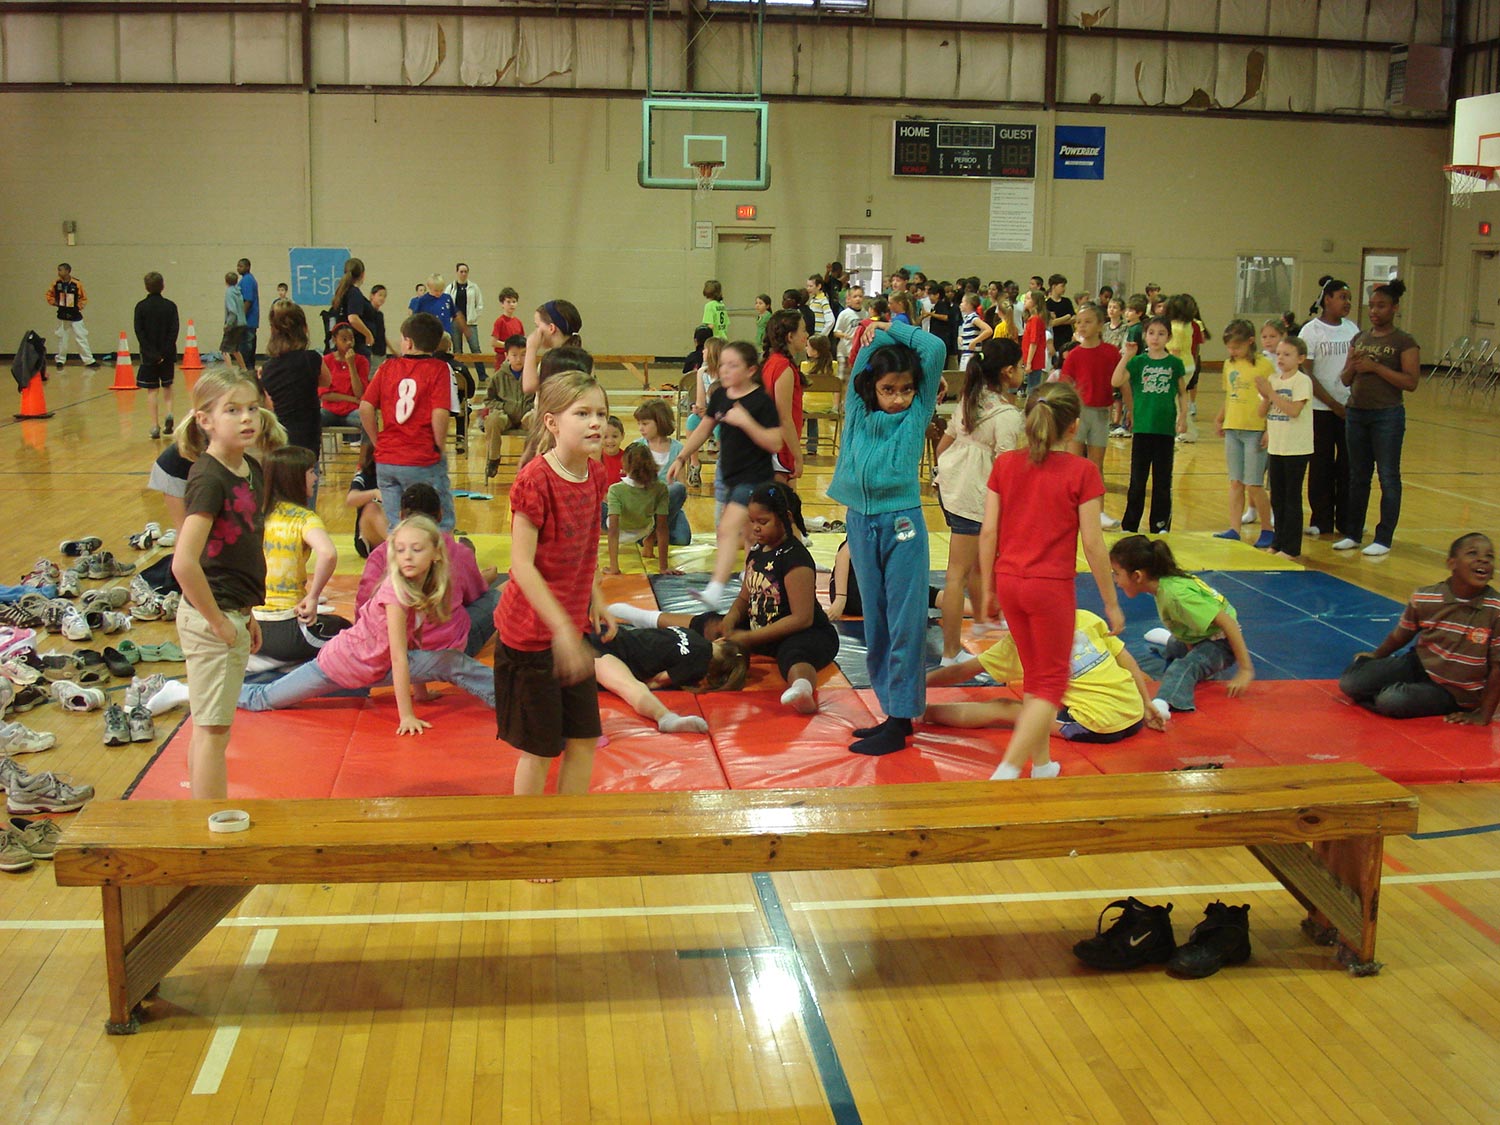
x=1484 y=295
x=743 y=262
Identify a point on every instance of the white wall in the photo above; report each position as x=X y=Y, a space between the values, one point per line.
x=541 y=194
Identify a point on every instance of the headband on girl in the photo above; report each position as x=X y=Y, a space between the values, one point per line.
x=558 y=320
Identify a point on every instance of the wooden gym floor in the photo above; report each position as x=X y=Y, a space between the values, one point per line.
x=925 y=995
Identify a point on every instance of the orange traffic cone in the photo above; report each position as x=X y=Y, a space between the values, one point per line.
x=124 y=372
x=191 y=360
x=34 y=400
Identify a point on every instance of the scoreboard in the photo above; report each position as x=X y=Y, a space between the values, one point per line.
x=983 y=149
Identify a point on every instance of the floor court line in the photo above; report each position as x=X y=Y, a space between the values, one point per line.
x=221 y=1046
x=55 y=924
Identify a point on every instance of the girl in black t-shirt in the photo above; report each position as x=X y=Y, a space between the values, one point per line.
x=749 y=432
x=671 y=653
x=777 y=611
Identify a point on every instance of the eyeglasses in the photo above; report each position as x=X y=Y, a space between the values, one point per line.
x=896 y=392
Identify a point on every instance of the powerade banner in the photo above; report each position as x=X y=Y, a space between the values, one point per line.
x=1079 y=153
x=316 y=271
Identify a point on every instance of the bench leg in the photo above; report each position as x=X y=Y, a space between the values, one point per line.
x=147 y=931
x=1338 y=881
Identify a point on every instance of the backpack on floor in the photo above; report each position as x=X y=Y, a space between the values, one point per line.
x=30 y=361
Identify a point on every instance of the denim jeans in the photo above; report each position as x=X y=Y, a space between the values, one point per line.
x=1188 y=667
x=393 y=480
x=247 y=348
x=679 y=531
x=1375 y=446
x=890 y=559
x=468 y=341
x=309 y=682
x=481 y=620
x=1397 y=687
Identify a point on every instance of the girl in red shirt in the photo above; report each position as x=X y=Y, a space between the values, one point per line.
x=1035 y=341
x=1041 y=501
x=348 y=372
x=546 y=697
x=786 y=339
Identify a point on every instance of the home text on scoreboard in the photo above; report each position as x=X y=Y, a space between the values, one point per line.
x=982 y=149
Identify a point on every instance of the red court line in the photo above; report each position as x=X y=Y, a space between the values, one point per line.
x=1449 y=903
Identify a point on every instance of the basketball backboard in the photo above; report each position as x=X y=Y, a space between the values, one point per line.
x=1476 y=133
x=678 y=133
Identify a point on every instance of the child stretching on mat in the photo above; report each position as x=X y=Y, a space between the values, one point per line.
x=405 y=635
x=896 y=384
x=636 y=508
x=219 y=563
x=750 y=432
x=634 y=661
x=1454 y=668
x=546 y=697
x=1202 y=634
x=1042 y=502
x=777 y=612
x=1108 y=697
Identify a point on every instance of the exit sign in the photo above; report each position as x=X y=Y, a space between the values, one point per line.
x=745 y=211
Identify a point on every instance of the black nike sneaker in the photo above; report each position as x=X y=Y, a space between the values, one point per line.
x=1222 y=938
x=1141 y=935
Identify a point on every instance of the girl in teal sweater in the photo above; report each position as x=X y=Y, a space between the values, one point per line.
x=896 y=385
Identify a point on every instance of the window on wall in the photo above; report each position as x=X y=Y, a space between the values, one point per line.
x=1263 y=285
x=1108 y=267
x=1379 y=267
x=864 y=262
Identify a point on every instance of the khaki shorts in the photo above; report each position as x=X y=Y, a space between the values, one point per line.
x=1093 y=426
x=215 y=671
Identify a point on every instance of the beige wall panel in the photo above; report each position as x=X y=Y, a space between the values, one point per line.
x=1190 y=67
x=1149 y=86
x=940 y=10
x=931 y=64
x=1236 y=77
x=1428 y=25
x=203 y=50
x=1391 y=20
x=985 y=67
x=89 y=49
x=1291 y=74
x=1377 y=79
x=1150 y=14
x=146 y=48
x=1086 y=68
x=264 y=48
x=31 y=47
x=1028 y=68
x=1341 y=19
x=609 y=53
x=1243 y=17
x=374 y=50
x=825 y=60
x=570 y=220
x=877 y=65
x=1294 y=18
x=780 y=63
x=1341 y=81
x=445 y=35
x=489 y=53
x=330 y=50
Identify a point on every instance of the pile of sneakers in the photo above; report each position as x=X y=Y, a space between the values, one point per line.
x=29 y=793
x=149 y=605
x=153 y=536
x=23 y=842
x=1142 y=935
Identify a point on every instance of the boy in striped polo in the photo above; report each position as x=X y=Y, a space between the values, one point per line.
x=1454 y=668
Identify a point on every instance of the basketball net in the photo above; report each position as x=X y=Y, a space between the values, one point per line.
x=708 y=172
x=1465 y=180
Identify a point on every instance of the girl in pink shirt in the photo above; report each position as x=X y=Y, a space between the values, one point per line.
x=387 y=644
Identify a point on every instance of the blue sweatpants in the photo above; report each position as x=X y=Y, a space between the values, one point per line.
x=890 y=559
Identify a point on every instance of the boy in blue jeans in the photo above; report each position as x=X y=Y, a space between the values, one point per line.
x=413 y=395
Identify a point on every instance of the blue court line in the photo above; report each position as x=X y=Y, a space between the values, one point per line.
x=814 y=1026
x=1449 y=833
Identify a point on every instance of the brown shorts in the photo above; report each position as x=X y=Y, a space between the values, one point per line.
x=535 y=713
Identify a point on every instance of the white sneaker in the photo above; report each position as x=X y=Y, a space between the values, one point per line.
x=75 y=627
x=16 y=739
x=1312 y=531
x=1160 y=637
x=1375 y=550
x=1346 y=544
x=1249 y=516
x=75 y=697
x=1107 y=521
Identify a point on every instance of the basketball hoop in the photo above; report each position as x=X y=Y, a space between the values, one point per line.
x=708 y=172
x=1464 y=180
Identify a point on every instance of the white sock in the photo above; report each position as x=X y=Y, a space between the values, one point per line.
x=173 y=694
x=1159 y=636
x=950 y=661
x=1162 y=709
x=800 y=698
x=711 y=595
x=1004 y=772
x=635 y=615
x=673 y=723
x=1050 y=770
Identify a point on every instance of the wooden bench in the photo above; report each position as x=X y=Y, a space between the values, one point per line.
x=167 y=880
x=638 y=365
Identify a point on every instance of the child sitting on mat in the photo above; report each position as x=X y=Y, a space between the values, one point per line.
x=1108 y=697
x=635 y=508
x=777 y=612
x=405 y=635
x=1454 y=668
x=635 y=661
x=1202 y=633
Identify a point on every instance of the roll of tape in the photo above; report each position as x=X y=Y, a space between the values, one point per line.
x=229 y=820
